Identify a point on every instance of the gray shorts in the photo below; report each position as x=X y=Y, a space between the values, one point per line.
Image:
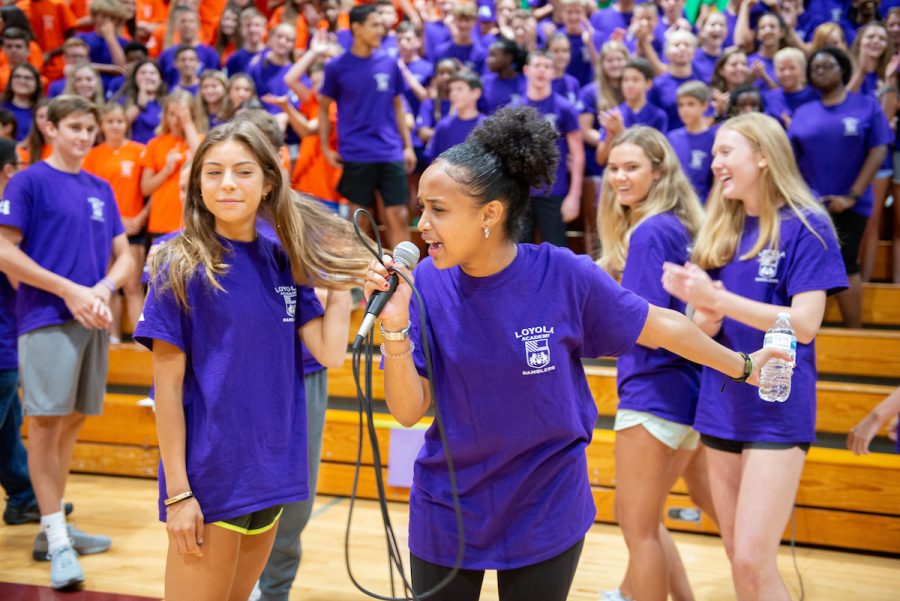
x=63 y=369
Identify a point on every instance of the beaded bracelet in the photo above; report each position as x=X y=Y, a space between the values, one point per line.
x=407 y=353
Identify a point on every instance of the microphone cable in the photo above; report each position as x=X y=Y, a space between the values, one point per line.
x=364 y=398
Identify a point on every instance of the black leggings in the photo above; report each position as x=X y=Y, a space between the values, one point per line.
x=548 y=580
x=544 y=216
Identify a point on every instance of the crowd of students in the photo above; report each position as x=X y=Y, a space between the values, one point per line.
x=497 y=124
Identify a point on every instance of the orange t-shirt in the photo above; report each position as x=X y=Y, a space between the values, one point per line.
x=312 y=173
x=151 y=11
x=210 y=12
x=35 y=57
x=165 y=205
x=300 y=27
x=50 y=19
x=121 y=167
x=155 y=43
x=25 y=154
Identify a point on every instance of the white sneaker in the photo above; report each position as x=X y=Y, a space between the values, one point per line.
x=255 y=594
x=613 y=595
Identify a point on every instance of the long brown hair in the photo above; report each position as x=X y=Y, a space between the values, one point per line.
x=780 y=184
x=321 y=247
x=670 y=193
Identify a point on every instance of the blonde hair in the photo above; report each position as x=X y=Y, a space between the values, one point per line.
x=780 y=183
x=98 y=97
x=321 y=246
x=185 y=98
x=884 y=59
x=821 y=35
x=609 y=95
x=670 y=193
x=108 y=8
x=202 y=109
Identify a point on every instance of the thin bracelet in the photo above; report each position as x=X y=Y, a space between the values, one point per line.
x=179 y=497
x=407 y=353
x=109 y=284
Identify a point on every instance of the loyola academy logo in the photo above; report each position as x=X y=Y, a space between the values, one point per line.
x=289 y=294
x=537 y=349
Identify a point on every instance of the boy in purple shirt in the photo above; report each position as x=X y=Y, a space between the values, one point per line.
x=465 y=92
x=793 y=90
x=637 y=81
x=185 y=66
x=253 y=29
x=463 y=44
x=106 y=48
x=416 y=70
x=693 y=142
x=680 y=48
x=62 y=307
x=187 y=25
x=374 y=143
x=556 y=205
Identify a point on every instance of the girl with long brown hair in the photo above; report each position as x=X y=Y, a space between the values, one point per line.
x=225 y=313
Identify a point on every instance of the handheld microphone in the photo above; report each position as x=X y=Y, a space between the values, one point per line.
x=406 y=254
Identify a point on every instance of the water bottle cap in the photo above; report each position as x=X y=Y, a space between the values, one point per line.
x=784 y=315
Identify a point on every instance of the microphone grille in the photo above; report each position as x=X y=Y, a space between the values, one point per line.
x=407 y=254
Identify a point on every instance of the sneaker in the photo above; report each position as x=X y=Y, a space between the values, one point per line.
x=255 y=594
x=65 y=572
x=83 y=543
x=30 y=513
x=613 y=595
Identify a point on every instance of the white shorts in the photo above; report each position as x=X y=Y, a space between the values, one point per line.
x=672 y=434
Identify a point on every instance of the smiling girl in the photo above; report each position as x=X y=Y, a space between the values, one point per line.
x=769 y=248
x=649 y=214
x=522 y=318
x=224 y=304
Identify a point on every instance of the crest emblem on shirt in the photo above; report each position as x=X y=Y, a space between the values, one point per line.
x=4 y=207
x=127 y=168
x=96 y=208
x=537 y=349
x=381 y=81
x=289 y=294
x=768 y=266
x=851 y=126
x=551 y=119
x=697 y=158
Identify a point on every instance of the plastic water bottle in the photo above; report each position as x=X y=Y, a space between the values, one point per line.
x=775 y=377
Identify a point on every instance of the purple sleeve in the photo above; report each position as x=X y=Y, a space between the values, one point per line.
x=308 y=304
x=162 y=319
x=568 y=119
x=15 y=206
x=330 y=87
x=815 y=266
x=612 y=316
x=399 y=82
x=643 y=268
x=881 y=130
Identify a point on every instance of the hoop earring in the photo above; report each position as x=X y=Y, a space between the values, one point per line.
x=487 y=232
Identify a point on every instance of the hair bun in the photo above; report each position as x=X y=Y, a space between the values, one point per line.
x=523 y=142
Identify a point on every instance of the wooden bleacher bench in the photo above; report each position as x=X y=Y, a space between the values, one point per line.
x=881 y=306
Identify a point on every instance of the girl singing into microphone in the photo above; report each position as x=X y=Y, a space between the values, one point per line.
x=508 y=326
x=222 y=317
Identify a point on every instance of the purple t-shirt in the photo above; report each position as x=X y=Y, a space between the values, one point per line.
x=498 y=92
x=56 y=87
x=269 y=79
x=436 y=35
x=562 y=114
x=511 y=389
x=429 y=114
x=694 y=152
x=801 y=264
x=68 y=222
x=649 y=115
x=664 y=94
x=239 y=61
x=450 y=131
x=567 y=87
x=144 y=127
x=704 y=65
x=768 y=65
x=587 y=105
x=207 y=57
x=855 y=126
x=422 y=70
x=607 y=20
x=244 y=402
x=472 y=56
x=23 y=119
x=780 y=103
x=364 y=89
x=580 y=66
x=656 y=380
x=9 y=358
